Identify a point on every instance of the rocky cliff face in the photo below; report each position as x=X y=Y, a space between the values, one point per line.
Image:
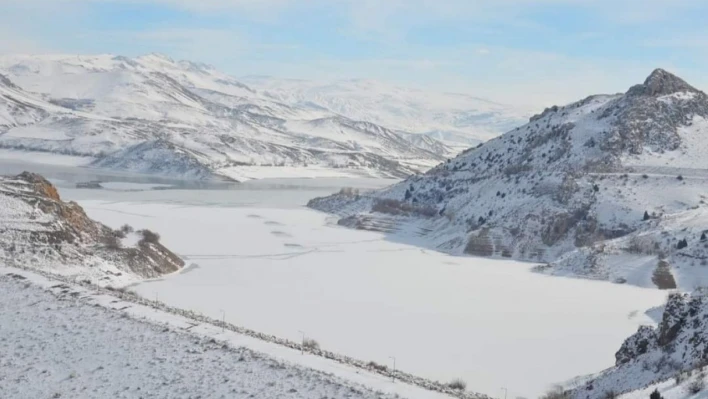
x=608 y=179
x=40 y=230
x=677 y=345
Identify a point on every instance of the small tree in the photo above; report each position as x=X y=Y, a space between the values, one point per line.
x=682 y=244
x=656 y=395
x=646 y=215
x=703 y=237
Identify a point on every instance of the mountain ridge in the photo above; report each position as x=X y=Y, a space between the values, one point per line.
x=101 y=106
x=571 y=189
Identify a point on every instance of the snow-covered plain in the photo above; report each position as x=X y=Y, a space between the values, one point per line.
x=276 y=267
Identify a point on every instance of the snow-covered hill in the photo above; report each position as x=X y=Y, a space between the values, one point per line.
x=457 y=119
x=110 y=108
x=610 y=187
x=41 y=231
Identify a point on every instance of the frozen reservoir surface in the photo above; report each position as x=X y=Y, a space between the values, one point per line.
x=272 y=265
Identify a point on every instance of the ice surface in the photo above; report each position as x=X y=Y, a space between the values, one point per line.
x=489 y=322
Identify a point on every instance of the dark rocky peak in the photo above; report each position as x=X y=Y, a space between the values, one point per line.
x=4 y=81
x=661 y=83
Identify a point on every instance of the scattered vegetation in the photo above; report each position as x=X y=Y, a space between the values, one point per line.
x=395 y=207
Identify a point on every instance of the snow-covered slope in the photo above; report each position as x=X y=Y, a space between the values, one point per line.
x=64 y=340
x=608 y=187
x=458 y=119
x=39 y=230
x=671 y=358
x=108 y=106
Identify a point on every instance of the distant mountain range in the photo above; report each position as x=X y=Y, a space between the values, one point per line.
x=151 y=114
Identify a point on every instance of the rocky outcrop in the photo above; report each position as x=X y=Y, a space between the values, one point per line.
x=652 y=354
x=40 y=230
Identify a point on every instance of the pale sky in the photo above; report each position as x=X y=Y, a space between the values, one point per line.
x=527 y=52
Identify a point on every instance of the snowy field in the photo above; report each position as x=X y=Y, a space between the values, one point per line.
x=271 y=265
x=58 y=343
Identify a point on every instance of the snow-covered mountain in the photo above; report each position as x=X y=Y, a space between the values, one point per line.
x=41 y=231
x=153 y=114
x=457 y=119
x=610 y=187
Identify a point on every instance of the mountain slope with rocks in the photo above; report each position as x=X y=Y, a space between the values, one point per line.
x=672 y=357
x=110 y=108
x=610 y=187
x=41 y=231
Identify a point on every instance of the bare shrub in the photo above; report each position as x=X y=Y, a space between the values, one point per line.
x=457 y=384
x=310 y=344
x=556 y=393
x=126 y=229
x=378 y=367
x=349 y=192
x=149 y=237
x=113 y=242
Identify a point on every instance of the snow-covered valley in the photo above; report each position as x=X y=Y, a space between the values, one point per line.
x=259 y=259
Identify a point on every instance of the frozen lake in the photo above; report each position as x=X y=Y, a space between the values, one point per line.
x=274 y=266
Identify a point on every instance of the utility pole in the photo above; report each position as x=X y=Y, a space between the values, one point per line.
x=302 y=343
x=393 y=374
x=506 y=391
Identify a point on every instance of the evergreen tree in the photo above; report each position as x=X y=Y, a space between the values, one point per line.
x=703 y=236
x=682 y=244
x=656 y=395
x=646 y=215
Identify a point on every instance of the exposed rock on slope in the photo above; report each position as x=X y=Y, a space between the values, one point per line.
x=677 y=345
x=39 y=230
x=573 y=188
